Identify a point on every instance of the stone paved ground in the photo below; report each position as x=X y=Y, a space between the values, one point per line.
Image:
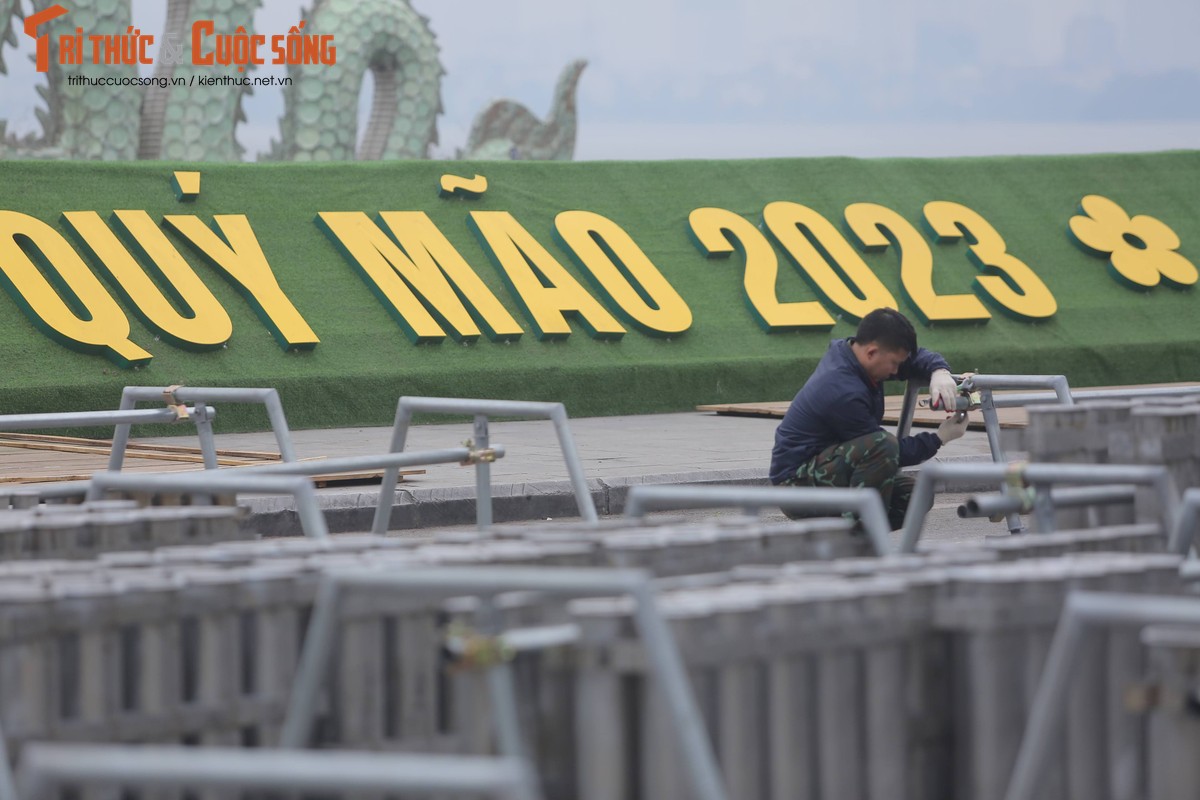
x=531 y=482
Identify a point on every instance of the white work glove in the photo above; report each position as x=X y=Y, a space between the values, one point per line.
x=952 y=428
x=942 y=391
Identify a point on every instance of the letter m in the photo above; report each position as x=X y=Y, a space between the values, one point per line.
x=418 y=276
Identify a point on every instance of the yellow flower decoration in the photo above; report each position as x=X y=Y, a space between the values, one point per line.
x=1140 y=250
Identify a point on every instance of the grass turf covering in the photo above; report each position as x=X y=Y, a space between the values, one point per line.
x=1103 y=333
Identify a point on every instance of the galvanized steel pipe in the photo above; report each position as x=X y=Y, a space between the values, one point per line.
x=1184 y=533
x=662 y=654
x=1081 y=611
x=482 y=410
x=864 y=502
x=269 y=398
x=82 y=419
x=44 y=765
x=312 y=521
x=1062 y=390
x=1036 y=474
x=990 y=505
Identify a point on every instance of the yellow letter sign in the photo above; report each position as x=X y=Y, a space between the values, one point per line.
x=237 y=254
x=420 y=285
x=619 y=269
x=1005 y=280
x=716 y=231
x=77 y=310
x=826 y=259
x=876 y=227
x=204 y=326
x=545 y=290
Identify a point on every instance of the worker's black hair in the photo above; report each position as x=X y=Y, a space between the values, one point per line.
x=887 y=328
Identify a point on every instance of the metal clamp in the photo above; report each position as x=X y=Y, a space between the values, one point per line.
x=964 y=401
x=1016 y=486
x=485 y=455
x=474 y=650
x=173 y=403
x=1014 y=476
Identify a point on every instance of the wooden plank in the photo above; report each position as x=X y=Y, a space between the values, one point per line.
x=767 y=409
x=8 y=437
x=1008 y=417
x=104 y=450
x=364 y=476
x=321 y=481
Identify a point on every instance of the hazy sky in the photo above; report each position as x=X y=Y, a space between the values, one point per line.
x=702 y=78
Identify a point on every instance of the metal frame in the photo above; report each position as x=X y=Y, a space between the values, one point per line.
x=482 y=410
x=1062 y=394
x=989 y=403
x=991 y=423
x=132 y=395
x=44 y=765
x=391 y=463
x=122 y=418
x=1082 y=611
x=256 y=478
x=312 y=521
x=662 y=655
x=1036 y=475
x=864 y=502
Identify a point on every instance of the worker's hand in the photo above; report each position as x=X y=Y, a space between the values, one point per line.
x=942 y=390
x=953 y=427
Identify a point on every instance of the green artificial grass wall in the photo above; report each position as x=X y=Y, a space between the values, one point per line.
x=1103 y=333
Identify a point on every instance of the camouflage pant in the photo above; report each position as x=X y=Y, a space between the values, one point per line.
x=871 y=461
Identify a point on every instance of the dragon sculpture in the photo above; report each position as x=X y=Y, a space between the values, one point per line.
x=385 y=37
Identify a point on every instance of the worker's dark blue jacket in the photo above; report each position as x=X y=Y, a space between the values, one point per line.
x=838 y=403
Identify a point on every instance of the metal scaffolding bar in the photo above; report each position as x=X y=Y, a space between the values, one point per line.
x=866 y=503
x=909 y=407
x=990 y=505
x=269 y=398
x=388 y=462
x=1036 y=475
x=1184 y=534
x=1035 y=398
x=988 y=403
x=662 y=655
x=124 y=418
x=312 y=521
x=82 y=419
x=1083 y=610
x=482 y=411
x=45 y=766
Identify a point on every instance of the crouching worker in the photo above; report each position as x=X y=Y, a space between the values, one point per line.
x=831 y=434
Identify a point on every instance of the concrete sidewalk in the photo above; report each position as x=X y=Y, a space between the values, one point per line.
x=531 y=481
